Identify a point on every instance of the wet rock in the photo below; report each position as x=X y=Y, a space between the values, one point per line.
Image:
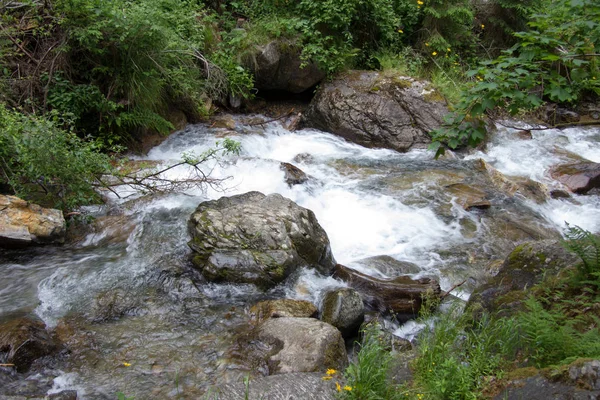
x=278 y=66
x=524 y=267
x=304 y=158
x=114 y=304
x=388 y=266
x=344 y=309
x=468 y=197
x=293 y=175
x=224 y=121
x=63 y=395
x=578 y=177
x=24 y=340
x=253 y=238
x=282 y=308
x=44 y=225
x=559 y=194
x=292 y=386
x=303 y=345
x=403 y=296
x=526 y=187
x=557 y=115
x=377 y=110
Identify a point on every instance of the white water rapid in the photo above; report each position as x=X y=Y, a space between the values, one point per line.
x=139 y=320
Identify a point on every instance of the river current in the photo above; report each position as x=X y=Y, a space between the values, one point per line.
x=140 y=321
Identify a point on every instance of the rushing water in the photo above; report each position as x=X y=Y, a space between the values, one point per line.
x=136 y=318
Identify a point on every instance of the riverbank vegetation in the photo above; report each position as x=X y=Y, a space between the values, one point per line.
x=472 y=355
x=109 y=72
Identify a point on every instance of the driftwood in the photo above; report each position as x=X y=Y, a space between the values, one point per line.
x=402 y=296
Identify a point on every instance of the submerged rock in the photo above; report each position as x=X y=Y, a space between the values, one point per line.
x=377 y=110
x=300 y=386
x=344 y=309
x=293 y=174
x=388 y=266
x=402 y=296
x=578 y=177
x=253 y=238
x=264 y=310
x=524 y=267
x=24 y=340
x=22 y=223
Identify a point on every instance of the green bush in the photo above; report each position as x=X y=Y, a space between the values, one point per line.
x=46 y=164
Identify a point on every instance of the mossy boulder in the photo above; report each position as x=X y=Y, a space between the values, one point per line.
x=258 y=239
x=527 y=265
x=375 y=109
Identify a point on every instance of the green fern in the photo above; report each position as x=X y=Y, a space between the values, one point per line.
x=586 y=246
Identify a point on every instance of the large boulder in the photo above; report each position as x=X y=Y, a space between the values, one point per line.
x=278 y=66
x=24 y=340
x=377 y=110
x=22 y=223
x=302 y=345
x=578 y=177
x=524 y=267
x=253 y=238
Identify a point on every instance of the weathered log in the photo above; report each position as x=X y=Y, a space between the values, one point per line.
x=402 y=296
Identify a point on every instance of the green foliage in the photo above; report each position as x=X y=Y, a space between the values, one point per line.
x=47 y=164
x=447 y=24
x=555 y=61
x=368 y=375
x=454 y=355
x=587 y=246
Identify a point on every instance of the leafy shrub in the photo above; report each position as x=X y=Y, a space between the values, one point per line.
x=47 y=164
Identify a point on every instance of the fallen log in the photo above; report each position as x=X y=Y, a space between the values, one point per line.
x=401 y=296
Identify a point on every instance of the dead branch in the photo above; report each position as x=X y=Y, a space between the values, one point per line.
x=444 y=295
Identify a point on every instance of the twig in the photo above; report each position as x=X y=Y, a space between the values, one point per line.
x=7 y=365
x=443 y=296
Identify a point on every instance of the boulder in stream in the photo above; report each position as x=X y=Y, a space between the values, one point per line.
x=578 y=177
x=24 y=340
x=303 y=345
x=293 y=174
x=258 y=239
x=375 y=109
x=22 y=223
x=344 y=309
x=402 y=296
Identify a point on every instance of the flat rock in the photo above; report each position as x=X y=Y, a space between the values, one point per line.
x=578 y=177
x=264 y=310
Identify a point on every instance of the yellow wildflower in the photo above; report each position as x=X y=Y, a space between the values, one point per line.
x=348 y=388
x=482 y=26
x=434 y=53
x=127 y=364
x=400 y=30
x=448 y=49
x=338 y=387
x=426 y=44
x=419 y=2
x=331 y=371
x=418 y=6
x=327 y=378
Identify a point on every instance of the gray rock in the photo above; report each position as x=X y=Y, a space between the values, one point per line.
x=264 y=310
x=63 y=395
x=377 y=110
x=303 y=345
x=388 y=266
x=587 y=374
x=293 y=386
x=344 y=309
x=277 y=66
x=253 y=238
